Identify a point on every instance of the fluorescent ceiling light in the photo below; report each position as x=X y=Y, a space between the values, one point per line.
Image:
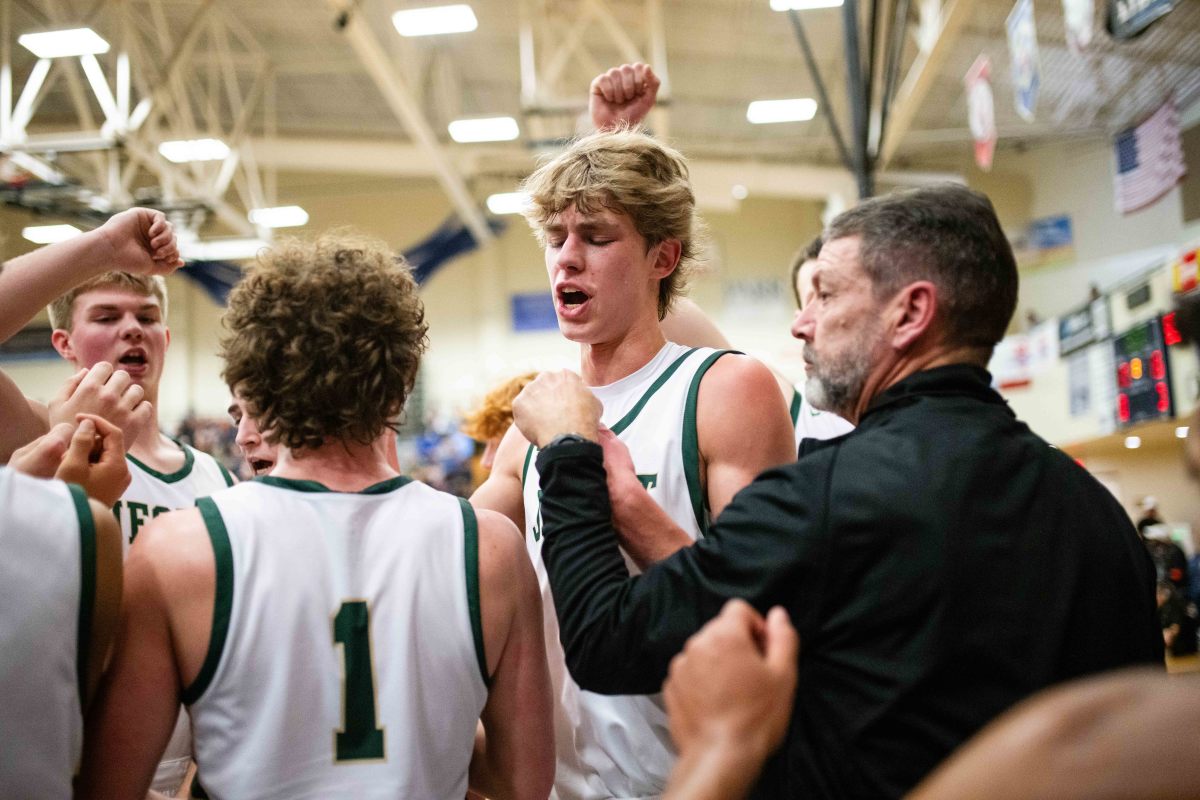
x=486 y=129
x=279 y=216
x=1181 y=432
x=508 y=202
x=457 y=18
x=183 y=150
x=739 y=192
x=60 y=44
x=803 y=5
x=221 y=249
x=49 y=234
x=798 y=109
x=1133 y=442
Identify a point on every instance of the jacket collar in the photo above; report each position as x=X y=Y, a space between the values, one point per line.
x=952 y=380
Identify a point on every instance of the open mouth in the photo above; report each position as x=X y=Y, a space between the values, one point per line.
x=134 y=358
x=260 y=465
x=571 y=300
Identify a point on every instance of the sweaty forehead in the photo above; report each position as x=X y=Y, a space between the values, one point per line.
x=115 y=296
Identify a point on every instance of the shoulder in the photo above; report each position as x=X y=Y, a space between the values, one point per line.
x=174 y=547
x=735 y=377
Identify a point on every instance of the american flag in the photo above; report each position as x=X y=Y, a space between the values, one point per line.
x=1149 y=160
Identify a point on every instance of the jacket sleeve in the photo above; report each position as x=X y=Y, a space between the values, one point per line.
x=619 y=632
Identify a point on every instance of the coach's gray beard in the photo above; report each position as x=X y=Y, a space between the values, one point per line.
x=835 y=386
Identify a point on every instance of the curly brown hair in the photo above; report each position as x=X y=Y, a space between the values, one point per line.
x=323 y=339
x=495 y=414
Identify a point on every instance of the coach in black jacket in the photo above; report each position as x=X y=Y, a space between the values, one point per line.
x=941 y=562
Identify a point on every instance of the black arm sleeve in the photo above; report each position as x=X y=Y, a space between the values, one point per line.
x=618 y=632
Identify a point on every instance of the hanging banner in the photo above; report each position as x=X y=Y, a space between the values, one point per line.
x=1023 y=52
x=981 y=110
x=1077 y=19
x=1129 y=18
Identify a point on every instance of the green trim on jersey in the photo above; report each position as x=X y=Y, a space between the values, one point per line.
x=797 y=401
x=222 y=599
x=525 y=468
x=189 y=460
x=654 y=387
x=87 y=585
x=691 y=444
x=383 y=487
x=471 y=562
x=229 y=481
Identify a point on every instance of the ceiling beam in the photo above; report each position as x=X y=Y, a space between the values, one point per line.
x=922 y=75
x=402 y=103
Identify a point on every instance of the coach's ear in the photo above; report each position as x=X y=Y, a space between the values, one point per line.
x=667 y=257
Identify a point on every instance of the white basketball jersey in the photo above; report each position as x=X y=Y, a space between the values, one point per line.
x=812 y=423
x=47 y=587
x=619 y=746
x=151 y=493
x=346 y=657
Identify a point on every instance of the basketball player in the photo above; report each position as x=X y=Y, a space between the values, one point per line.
x=336 y=629
x=112 y=326
x=616 y=216
x=60 y=587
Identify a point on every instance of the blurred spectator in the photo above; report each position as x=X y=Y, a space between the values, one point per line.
x=492 y=418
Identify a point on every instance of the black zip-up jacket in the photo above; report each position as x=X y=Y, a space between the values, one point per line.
x=941 y=562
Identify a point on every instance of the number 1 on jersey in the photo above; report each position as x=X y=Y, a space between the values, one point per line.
x=359 y=737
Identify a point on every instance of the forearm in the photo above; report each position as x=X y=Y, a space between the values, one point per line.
x=718 y=773
x=30 y=282
x=24 y=421
x=618 y=633
x=645 y=530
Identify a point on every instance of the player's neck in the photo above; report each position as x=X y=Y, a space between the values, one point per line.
x=606 y=362
x=338 y=466
x=155 y=450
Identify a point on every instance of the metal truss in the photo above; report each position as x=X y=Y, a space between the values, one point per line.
x=208 y=79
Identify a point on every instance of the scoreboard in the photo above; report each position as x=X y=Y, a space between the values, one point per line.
x=1143 y=374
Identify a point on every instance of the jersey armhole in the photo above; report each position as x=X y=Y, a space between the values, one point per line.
x=222 y=598
x=691 y=444
x=471 y=566
x=87 y=585
x=225 y=473
x=525 y=466
x=797 y=401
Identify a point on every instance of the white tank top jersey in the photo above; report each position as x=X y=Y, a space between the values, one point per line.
x=46 y=529
x=151 y=493
x=620 y=746
x=812 y=423
x=346 y=657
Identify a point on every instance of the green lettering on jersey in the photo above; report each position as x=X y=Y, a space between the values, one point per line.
x=648 y=481
x=139 y=513
x=358 y=738
x=537 y=525
x=160 y=510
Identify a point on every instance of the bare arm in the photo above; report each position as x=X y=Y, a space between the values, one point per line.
x=1118 y=735
x=743 y=427
x=514 y=756
x=106 y=609
x=169 y=588
x=503 y=490
x=138 y=240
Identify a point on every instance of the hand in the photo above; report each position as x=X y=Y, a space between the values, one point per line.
x=556 y=403
x=95 y=460
x=729 y=693
x=143 y=242
x=622 y=96
x=106 y=393
x=41 y=457
x=620 y=473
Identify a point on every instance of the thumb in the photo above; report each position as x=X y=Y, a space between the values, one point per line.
x=82 y=442
x=782 y=641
